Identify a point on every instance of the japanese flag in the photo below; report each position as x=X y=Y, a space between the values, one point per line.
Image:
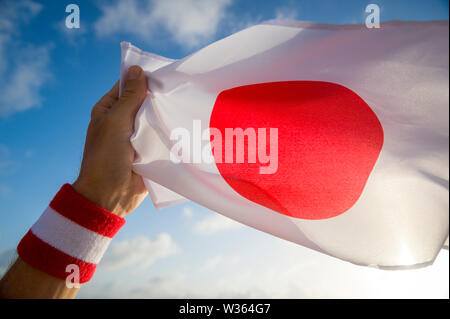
x=334 y=137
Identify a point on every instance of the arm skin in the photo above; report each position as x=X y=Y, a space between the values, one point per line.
x=24 y=281
x=106 y=178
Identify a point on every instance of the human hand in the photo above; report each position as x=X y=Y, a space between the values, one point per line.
x=106 y=177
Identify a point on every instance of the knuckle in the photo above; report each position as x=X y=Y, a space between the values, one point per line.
x=94 y=112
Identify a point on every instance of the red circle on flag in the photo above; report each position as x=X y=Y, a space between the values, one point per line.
x=328 y=142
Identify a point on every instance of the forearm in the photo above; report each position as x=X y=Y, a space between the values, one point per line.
x=24 y=281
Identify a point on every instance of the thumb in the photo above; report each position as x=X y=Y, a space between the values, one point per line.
x=134 y=91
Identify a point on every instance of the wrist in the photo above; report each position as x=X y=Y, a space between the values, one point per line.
x=99 y=196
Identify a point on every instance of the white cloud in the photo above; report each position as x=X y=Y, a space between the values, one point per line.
x=286 y=13
x=187 y=212
x=14 y=12
x=23 y=68
x=167 y=286
x=164 y=286
x=279 y=269
x=295 y=273
x=22 y=89
x=216 y=223
x=212 y=263
x=141 y=252
x=189 y=22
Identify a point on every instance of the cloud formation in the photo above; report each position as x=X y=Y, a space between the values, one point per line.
x=284 y=271
x=189 y=22
x=286 y=13
x=212 y=263
x=141 y=252
x=216 y=223
x=187 y=212
x=23 y=68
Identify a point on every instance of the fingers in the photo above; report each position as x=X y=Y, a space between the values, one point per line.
x=111 y=97
x=120 y=112
x=114 y=92
x=134 y=92
x=106 y=102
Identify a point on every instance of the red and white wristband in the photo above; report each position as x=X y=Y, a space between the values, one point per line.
x=72 y=230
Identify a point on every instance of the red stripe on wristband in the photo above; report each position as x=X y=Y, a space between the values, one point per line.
x=78 y=209
x=50 y=260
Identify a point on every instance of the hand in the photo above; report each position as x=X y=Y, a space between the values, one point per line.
x=106 y=177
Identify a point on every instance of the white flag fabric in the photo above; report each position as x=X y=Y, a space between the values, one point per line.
x=358 y=121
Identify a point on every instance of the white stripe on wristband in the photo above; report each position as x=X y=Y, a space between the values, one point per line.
x=69 y=237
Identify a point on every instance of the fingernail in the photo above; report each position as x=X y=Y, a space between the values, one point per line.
x=133 y=72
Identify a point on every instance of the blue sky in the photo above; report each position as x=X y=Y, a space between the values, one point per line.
x=51 y=77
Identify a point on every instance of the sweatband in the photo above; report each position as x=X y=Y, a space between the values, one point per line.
x=71 y=231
